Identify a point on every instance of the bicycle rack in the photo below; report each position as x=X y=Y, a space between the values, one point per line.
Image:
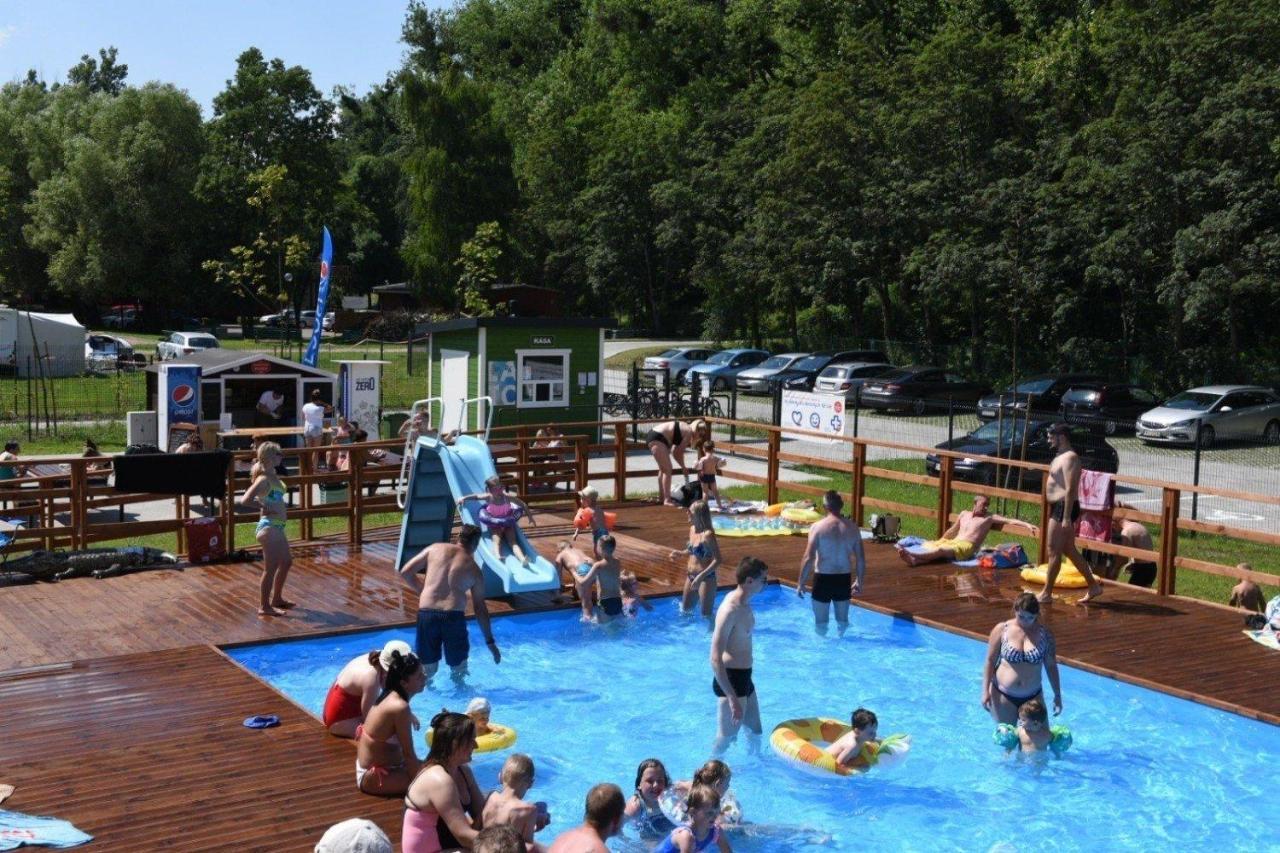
x=402 y=481
x=488 y=423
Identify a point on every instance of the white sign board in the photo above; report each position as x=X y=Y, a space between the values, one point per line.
x=817 y=412
x=360 y=398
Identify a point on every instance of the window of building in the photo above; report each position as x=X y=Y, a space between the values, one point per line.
x=543 y=376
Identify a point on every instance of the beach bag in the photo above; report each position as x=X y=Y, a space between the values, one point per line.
x=1009 y=556
x=885 y=527
x=688 y=493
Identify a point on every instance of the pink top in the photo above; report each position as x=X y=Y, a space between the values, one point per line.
x=419 y=834
x=499 y=510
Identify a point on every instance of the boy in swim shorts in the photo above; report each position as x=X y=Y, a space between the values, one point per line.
x=708 y=466
x=606 y=572
x=575 y=564
x=862 y=730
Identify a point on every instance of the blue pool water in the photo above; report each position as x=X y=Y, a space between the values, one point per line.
x=590 y=702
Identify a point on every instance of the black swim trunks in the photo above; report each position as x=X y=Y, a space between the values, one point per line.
x=611 y=606
x=1142 y=574
x=445 y=629
x=739 y=680
x=709 y=479
x=653 y=435
x=1056 y=511
x=832 y=587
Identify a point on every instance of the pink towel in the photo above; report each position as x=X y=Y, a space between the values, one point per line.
x=1094 y=525
x=1097 y=490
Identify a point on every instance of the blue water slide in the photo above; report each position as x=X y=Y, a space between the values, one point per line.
x=443 y=473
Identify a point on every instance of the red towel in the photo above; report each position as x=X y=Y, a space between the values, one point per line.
x=1097 y=490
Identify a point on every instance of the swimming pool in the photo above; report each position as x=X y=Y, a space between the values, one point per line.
x=590 y=702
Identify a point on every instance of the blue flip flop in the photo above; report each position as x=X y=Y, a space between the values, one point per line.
x=261 y=721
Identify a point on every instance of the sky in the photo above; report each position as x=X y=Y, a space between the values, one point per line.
x=193 y=44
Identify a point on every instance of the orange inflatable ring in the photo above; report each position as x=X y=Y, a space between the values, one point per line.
x=582 y=519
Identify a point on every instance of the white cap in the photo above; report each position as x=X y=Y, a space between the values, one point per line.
x=479 y=705
x=384 y=656
x=356 y=835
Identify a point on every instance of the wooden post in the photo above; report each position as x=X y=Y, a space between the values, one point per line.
x=304 y=490
x=619 y=462
x=944 y=494
x=1168 y=579
x=1043 y=539
x=229 y=506
x=859 y=481
x=355 y=497
x=79 y=482
x=522 y=457
x=180 y=509
x=771 y=489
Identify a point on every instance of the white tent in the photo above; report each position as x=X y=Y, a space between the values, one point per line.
x=26 y=335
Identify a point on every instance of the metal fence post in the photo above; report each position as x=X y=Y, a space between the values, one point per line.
x=633 y=400
x=1195 y=474
x=857 y=407
x=733 y=414
x=951 y=421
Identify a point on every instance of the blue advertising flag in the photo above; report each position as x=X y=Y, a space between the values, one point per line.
x=326 y=261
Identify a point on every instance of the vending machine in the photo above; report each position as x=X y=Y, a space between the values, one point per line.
x=178 y=399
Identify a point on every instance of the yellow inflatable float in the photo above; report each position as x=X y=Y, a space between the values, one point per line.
x=800 y=515
x=1068 y=578
x=498 y=737
x=802 y=743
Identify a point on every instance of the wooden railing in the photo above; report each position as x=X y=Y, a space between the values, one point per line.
x=550 y=475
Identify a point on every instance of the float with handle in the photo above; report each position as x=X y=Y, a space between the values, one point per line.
x=802 y=743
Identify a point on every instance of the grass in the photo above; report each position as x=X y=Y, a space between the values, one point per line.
x=1223 y=550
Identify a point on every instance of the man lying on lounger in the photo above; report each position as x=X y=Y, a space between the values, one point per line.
x=963 y=539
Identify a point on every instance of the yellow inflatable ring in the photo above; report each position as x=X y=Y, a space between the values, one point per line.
x=773 y=509
x=800 y=516
x=1068 y=578
x=800 y=743
x=499 y=737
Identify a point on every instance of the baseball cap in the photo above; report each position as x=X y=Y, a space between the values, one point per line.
x=384 y=656
x=355 y=835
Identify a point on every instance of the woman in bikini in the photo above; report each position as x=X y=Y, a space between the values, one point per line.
x=357 y=687
x=268 y=492
x=703 y=552
x=1016 y=652
x=443 y=805
x=385 y=759
x=668 y=441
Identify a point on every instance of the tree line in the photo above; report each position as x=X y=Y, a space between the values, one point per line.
x=999 y=185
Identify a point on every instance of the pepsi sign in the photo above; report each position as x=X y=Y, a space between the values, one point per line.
x=181 y=388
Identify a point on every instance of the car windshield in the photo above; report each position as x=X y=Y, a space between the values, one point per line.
x=896 y=375
x=202 y=342
x=106 y=346
x=1009 y=431
x=1032 y=386
x=777 y=362
x=721 y=358
x=813 y=362
x=1082 y=395
x=670 y=353
x=1195 y=401
x=835 y=373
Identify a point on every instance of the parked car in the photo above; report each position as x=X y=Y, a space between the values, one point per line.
x=283 y=320
x=758 y=379
x=1111 y=407
x=126 y=318
x=847 y=379
x=918 y=389
x=107 y=353
x=1004 y=440
x=723 y=368
x=179 y=344
x=308 y=318
x=677 y=361
x=802 y=375
x=1042 y=393
x=1225 y=411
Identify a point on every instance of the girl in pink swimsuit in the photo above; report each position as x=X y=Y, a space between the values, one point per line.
x=501 y=515
x=443 y=803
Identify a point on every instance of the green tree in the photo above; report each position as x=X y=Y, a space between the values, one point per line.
x=103 y=74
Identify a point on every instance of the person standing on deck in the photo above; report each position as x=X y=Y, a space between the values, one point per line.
x=1062 y=490
x=731 y=659
x=449 y=572
x=835 y=551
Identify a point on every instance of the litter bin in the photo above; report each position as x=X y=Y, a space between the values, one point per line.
x=391 y=423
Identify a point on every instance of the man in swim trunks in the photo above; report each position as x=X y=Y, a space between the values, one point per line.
x=606 y=571
x=963 y=539
x=449 y=572
x=731 y=660
x=835 y=550
x=1063 y=492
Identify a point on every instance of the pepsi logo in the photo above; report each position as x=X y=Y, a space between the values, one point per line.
x=324 y=269
x=181 y=395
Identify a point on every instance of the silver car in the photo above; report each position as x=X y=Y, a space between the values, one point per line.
x=755 y=380
x=847 y=378
x=677 y=361
x=1224 y=411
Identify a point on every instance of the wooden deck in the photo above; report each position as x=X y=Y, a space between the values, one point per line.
x=130 y=721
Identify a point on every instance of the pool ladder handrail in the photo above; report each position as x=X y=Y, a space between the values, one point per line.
x=488 y=423
x=402 y=480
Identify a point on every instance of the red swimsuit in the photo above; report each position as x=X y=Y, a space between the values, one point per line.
x=340 y=705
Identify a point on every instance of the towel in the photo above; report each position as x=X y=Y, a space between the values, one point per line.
x=1094 y=525
x=17 y=829
x=1265 y=638
x=200 y=473
x=1097 y=490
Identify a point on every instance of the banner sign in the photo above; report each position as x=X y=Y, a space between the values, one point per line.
x=326 y=261
x=817 y=412
x=502 y=382
x=177 y=398
x=359 y=401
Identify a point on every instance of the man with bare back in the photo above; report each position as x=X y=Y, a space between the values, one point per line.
x=449 y=573
x=963 y=539
x=1062 y=490
x=835 y=553
x=731 y=660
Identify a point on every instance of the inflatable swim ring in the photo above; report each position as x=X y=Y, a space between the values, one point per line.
x=773 y=509
x=1007 y=737
x=1068 y=578
x=801 y=742
x=508 y=520
x=582 y=519
x=796 y=515
x=499 y=737
x=676 y=808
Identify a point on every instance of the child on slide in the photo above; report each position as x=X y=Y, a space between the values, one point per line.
x=501 y=515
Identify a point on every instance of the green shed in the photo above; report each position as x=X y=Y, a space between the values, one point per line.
x=536 y=369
